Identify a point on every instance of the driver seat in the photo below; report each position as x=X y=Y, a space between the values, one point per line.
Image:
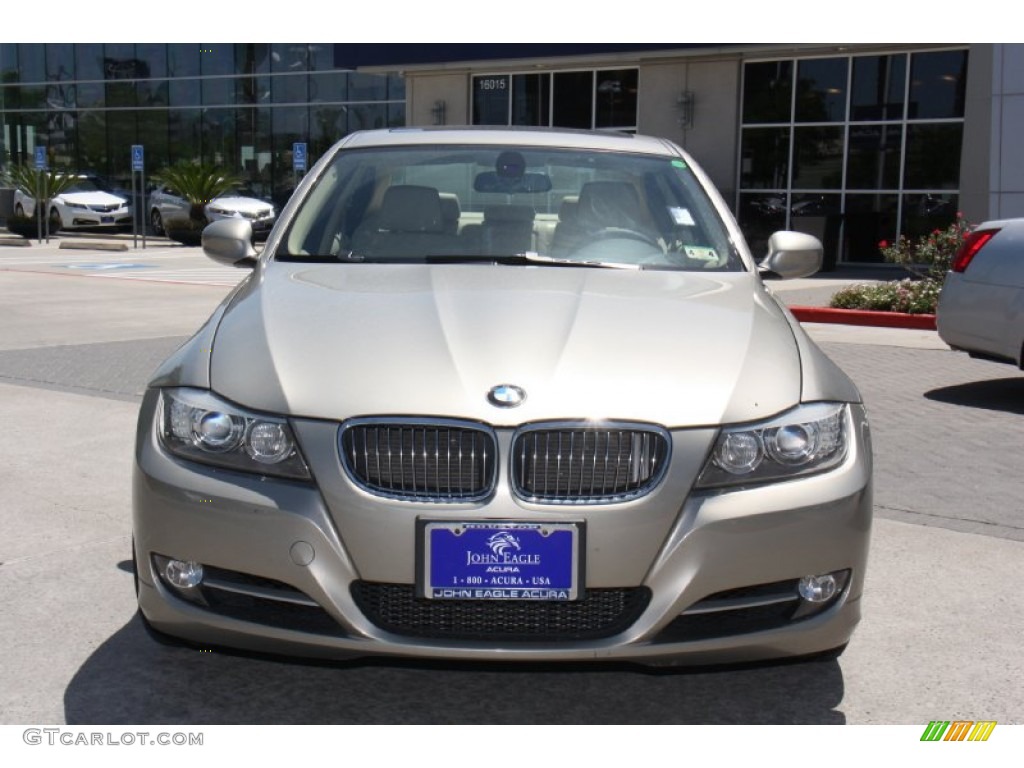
x=602 y=205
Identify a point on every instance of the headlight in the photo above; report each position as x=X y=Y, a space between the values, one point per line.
x=76 y=206
x=220 y=211
x=808 y=439
x=197 y=425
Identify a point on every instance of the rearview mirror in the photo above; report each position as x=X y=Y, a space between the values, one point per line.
x=528 y=183
x=791 y=255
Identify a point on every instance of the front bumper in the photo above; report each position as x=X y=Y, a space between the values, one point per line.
x=291 y=586
x=74 y=218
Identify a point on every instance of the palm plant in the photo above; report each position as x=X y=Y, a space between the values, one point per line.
x=31 y=181
x=198 y=184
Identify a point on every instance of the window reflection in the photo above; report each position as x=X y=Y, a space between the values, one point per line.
x=879 y=84
x=616 y=98
x=938 y=82
x=818 y=158
x=289 y=89
x=765 y=158
x=923 y=214
x=60 y=62
x=154 y=58
x=819 y=215
x=573 y=99
x=933 y=156
x=183 y=60
x=768 y=92
x=874 y=157
x=821 y=91
x=531 y=100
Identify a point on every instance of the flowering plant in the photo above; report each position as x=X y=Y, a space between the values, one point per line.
x=927 y=258
x=930 y=256
x=910 y=296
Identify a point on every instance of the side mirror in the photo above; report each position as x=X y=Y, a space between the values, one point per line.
x=791 y=255
x=229 y=242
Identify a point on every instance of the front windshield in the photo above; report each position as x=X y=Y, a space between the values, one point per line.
x=433 y=203
x=86 y=185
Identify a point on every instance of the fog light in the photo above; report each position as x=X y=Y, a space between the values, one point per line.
x=818 y=589
x=183 y=574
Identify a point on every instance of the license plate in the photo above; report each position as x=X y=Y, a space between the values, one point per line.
x=500 y=561
x=106 y=219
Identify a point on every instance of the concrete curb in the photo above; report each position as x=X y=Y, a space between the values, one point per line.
x=863 y=317
x=92 y=245
x=15 y=242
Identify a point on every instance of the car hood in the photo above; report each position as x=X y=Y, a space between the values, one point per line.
x=242 y=204
x=672 y=348
x=91 y=198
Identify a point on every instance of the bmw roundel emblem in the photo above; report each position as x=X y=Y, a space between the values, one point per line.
x=506 y=395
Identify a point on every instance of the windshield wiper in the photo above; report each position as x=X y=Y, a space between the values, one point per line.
x=527 y=258
x=348 y=257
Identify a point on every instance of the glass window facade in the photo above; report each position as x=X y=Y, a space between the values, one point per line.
x=239 y=105
x=588 y=98
x=852 y=149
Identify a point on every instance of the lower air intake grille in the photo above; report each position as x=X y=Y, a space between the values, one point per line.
x=588 y=465
x=602 y=613
x=438 y=461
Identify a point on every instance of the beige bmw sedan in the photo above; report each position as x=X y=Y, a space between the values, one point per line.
x=504 y=395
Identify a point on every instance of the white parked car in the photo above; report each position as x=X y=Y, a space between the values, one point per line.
x=84 y=204
x=981 y=308
x=166 y=204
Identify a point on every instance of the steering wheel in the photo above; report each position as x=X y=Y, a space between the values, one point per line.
x=593 y=243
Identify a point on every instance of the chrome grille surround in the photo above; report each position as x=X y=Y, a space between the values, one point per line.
x=588 y=462
x=420 y=459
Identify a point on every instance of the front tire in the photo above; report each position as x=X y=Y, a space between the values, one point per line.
x=55 y=222
x=157 y=222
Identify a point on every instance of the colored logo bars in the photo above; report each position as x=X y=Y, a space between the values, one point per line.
x=958 y=730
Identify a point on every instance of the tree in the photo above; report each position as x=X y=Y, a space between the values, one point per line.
x=31 y=181
x=198 y=184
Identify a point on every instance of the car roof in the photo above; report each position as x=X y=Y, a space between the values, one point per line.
x=522 y=136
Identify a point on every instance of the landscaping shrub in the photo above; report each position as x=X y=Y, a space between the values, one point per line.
x=927 y=258
x=910 y=296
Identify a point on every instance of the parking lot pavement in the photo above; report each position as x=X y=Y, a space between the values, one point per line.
x=943 y=615
x=162 y=262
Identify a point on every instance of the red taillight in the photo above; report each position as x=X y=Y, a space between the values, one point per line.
x=973 y=243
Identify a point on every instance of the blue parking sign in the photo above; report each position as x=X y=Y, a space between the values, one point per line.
x=40 y=158
x=138 y=157
x=299 y=156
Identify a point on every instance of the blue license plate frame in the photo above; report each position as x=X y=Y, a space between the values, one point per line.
x=500 y=560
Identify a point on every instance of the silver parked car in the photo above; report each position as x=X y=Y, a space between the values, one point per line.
x=165 y=204
x=507 y=395
x=981 y=307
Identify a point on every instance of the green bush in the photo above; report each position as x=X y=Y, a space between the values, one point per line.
x=26 y=226
x=198 y=183
x=182 y=229
x=916 y=297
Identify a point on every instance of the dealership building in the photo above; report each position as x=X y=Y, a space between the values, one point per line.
x=854 y=143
